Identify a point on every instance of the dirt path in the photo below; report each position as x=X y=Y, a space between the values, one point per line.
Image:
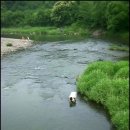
x=17 y=44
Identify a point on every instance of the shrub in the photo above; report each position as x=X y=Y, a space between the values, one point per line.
x=9 y=44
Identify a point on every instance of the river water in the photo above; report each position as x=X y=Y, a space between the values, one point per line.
x=36 y=83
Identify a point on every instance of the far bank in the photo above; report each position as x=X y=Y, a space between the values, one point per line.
x=64 y=33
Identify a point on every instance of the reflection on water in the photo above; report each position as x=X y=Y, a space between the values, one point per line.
x=36 y=84
x=71 y=104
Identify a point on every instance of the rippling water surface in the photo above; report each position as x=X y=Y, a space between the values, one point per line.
x=36 y=84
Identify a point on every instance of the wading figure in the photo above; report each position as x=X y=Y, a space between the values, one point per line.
x=72 y=97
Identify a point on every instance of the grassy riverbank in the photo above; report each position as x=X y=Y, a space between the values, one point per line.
x=37 y=33
x=108 y=83
x=119 y=48
x=68 y=32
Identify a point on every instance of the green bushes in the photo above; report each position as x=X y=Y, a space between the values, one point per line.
x=108 y=83
x=87 y=16
x=64 y=13
x=119 y=48
x=117 y=14
x=112 y=16
x=9 y=44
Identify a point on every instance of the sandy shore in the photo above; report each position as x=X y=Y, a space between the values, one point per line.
x=17 y=44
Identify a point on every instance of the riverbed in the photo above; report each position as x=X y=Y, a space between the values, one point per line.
x=9 y=45
x=36 y=83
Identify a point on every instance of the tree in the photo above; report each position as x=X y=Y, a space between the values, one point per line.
x=98 y=14
x=85 y=13
x=64 y=12
x=6 y=18
x=117 y=16
x=43 y=17
x=30 y=18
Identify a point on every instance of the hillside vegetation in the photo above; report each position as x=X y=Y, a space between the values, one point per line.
x=110 y=16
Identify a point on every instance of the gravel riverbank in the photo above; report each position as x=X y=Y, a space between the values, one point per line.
x=11 y=45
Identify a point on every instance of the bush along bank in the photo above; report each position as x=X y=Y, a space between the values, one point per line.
x=108 y=83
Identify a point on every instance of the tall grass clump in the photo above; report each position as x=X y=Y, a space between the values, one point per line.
x=119 y=48
x=122 y=73
x=120 y=64
x=108 y=83
x=90 y=80
x=100 y=90
x=106 y=67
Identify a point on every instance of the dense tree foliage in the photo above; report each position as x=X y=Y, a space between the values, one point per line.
x=64 y=12
x=109 y=15
x=117 y=16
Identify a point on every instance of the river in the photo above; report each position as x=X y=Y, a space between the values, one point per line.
x=36 y=83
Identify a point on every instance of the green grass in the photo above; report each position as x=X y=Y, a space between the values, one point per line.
x=28 y=30
x=108 y=83
x=46 y=32
x=119 y=48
